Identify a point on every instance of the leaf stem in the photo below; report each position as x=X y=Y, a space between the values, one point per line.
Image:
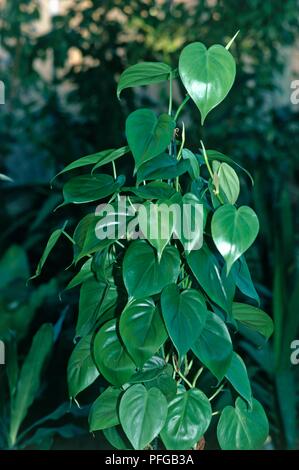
x=170 y=94
x=197 y=377
x=177 y=370
x=114 y=169
x=187 y=98
x=216 y=393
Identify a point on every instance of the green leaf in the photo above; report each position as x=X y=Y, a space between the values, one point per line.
x=98 y=159
x=242 y=427
x=234 y=231
x=154 y=190
x=205 y=268
x=110 y=355
x=83 y=275
x=189 y=416
x=87 y=188
x=207 y=74
x=104 y=411
x=142 y=414
x=154 y=367
x=190 y=223
x=253 y=318
x=214 y=346
x=194 y=165
x=184 y=314
x=117 y=438
x=49 y=247
x=243 y=281
x=238 y=377
x=228 y=181
x=162 y=167
x=143 y=73
x=142 y=330
x=148 y=135
x=142 y=273
x=30 y=378
x=157 y=222
x=81 y=370
x=165 y=383
x=214 y=155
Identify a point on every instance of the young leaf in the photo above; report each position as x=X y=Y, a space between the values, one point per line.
x=143 y=73
x=214 y=346
x=110 y=355
x=142 y=414
x=49 y=247
x=243 y=281
x=189 y=416
x=142 y=330
x=143 y=274
x=81 y=370
x=29 y=378
x=238 y=377
x=207 y=74
x=253 y=318
x=104 y=411
x=234 y=231
x=147 y=135
x=184 y=314
x=242 y=427
x=229 y=185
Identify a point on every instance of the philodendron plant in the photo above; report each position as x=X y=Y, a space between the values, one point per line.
x=157 y=315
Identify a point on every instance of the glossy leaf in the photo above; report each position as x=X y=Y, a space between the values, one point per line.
x=154 y=190
x=184 y=314
x=49 y=247
x=142 y=330
x=83 y=275
x=142 y=414
x=190 y=222
x=228 y=181
x=110 y=355
x=207 y=74
x=165 y=383
x=81 y=370
x=234 y=231
x=238 y=377
x=147 y=135
x=205 y=268
x=87 y=188
x=214 y=346
x=142 y=273
x=154 y=367
x=117 y=438
x=144 y=73
x=214 y=155
x=253 y=318
x=194 y=165
x=243 y=281
x=162 y=167
x=104 y=411
x=242 y=427
x=189 y=415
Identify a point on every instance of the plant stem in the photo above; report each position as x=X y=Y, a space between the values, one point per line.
x=197 y=376
x=210 y=170
x=177 y=370
x=217 y=392
x=114 y=170
x=232 y=40
x=187 y=98
x=170 y=95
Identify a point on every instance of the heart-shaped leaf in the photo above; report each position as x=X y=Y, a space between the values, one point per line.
x=228 y=182
x=87 y=188
x=142 y=330
x=214 y=346
x=184 y=314
x=207 y=74
x=253 y=318
x=242 y=427
x=142 y=414
x=104 y=411
x=147 y=135
x=234 y=231
x=162 y=167
x=143 y=73
x=110 y=355
x=238 y=377
x=143 y=274
x=81 y=370
x=189 y=416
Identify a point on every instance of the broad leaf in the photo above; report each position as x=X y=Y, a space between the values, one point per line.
x=142 y=414
x=253 y=318
x=165 y=383
x=205 y=268
x=104 y=411
x=110 y=355
x=117 y=438
x=184 y=314
x=154 y=190
x=154 y=367
x=190 y=222
x=83 y=275
x=234 y=231
x=214 y=346
x=242 y=427
x=228 y=182
x=49 y=247
x=81 y=370
x=162 y=167
x=147 y=135
x=207 y=74
x=143 y=274
x=243 y=281
x=194 y=165
x=189 y=416
x=238 y=377
x=143 y=73
x=142 y=330
x=30 y=378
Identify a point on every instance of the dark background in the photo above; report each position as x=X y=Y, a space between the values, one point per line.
x=60 y=73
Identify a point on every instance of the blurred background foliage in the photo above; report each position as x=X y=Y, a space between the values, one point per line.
x=60 y=61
